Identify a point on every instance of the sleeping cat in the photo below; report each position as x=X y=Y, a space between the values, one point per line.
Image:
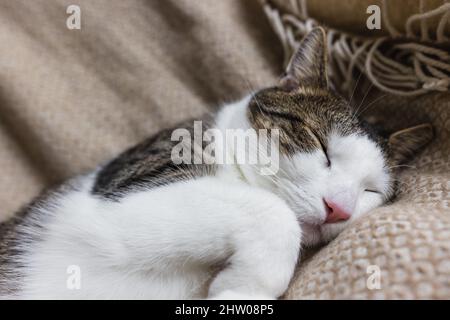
x=145 y=227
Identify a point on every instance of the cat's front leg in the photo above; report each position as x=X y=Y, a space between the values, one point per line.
x=265 y=252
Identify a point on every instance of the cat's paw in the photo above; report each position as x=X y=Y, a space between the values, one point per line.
x=234 y=295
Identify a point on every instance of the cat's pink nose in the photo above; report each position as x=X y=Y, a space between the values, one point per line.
x=335 y=212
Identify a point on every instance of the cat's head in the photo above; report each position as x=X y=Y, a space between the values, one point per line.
x=333 y=167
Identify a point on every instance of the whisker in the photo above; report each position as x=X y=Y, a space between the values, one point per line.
x=362 y=101
x=356 y=85
x=253 y=94
x=370 y=104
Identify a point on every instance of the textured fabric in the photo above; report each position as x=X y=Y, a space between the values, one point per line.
x=408 y=240
x=70 y=99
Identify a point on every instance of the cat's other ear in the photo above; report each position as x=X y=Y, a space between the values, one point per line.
x=405 y=144
x=308 y=64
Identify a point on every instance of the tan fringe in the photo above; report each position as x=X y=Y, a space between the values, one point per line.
x=408 y=66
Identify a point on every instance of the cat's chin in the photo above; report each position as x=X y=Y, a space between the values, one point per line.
x=314 y=234
x=311 y=234
x=330 y=231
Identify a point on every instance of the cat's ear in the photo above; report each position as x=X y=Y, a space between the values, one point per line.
x=308 y=64
x=404 y=144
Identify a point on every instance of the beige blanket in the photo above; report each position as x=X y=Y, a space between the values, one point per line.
x=70 y=99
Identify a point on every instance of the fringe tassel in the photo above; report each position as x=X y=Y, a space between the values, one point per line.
x=408 y=66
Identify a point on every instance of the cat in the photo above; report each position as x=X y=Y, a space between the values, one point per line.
x=143 y=227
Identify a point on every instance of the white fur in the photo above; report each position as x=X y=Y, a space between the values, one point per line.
x=163 y=243
x=357 y=164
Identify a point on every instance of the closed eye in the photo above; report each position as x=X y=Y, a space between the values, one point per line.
x=372 y=191
x=324 y=149
x=326 y=153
